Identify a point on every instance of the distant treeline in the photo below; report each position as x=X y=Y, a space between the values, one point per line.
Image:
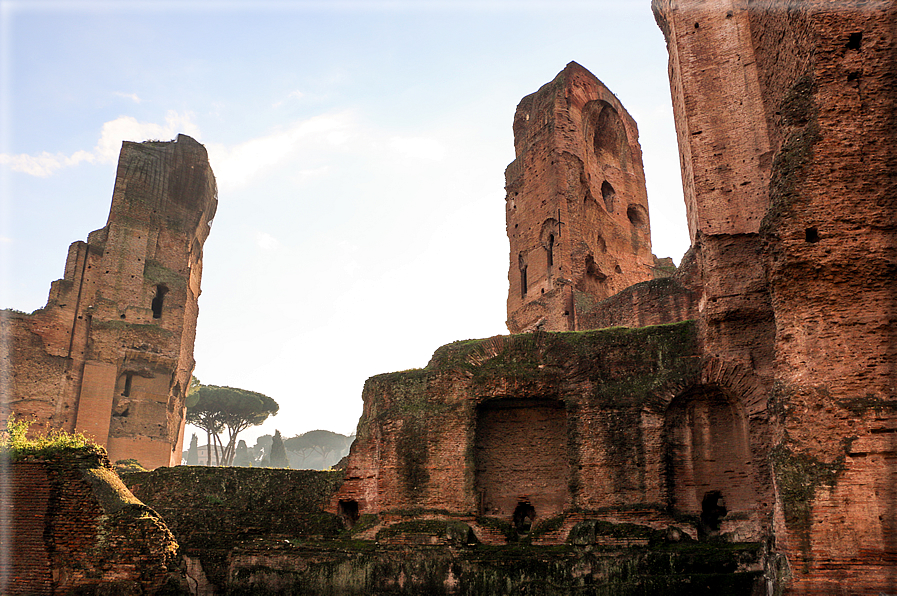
x=314 y=450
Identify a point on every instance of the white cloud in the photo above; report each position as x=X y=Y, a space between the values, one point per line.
x=236 y=166
x=45 y=164
x=292 y=95
x=266 y=241
x=132 y=96
x=123 y=128
x=127 y=128
x=419 y=148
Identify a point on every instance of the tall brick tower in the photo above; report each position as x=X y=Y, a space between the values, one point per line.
x=111 y=354
x=576 y=205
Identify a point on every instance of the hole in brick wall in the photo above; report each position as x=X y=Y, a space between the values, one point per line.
x=854 y=41
x=551 y=250
x=697 y=26
x=637 y=216
x=713 y=510
x=122 y=316
x=348 y=510
x=811 y=235
x=523 y=283
x=126 y=391
x=853 y=76
x=524 y=515
x=608 y=194
x=158 y=301
x=617 y=269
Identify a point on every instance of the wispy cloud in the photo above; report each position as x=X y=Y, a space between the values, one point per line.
x=266 y=241
x=418 y=148
x=292 y=95
x=45 y=164
x=132 y=96
x=106 y=151
x=235 y=166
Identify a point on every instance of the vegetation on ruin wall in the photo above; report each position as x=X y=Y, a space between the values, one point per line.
x=213 y=509
x=514 y=569
x=15 y=444
x=156 y=273
x=614 y=355
x=799 y=114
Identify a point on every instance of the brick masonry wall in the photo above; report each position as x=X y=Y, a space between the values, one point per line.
x=77 y=529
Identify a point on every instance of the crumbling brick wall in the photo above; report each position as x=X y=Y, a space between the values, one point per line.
x=785 y=117
x=76 y=529
x=576 y=205
x=111 y=354
x=555 y=422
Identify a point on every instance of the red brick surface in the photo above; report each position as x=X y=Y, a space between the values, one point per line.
x=96 y=359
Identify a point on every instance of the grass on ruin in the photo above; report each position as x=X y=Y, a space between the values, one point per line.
x=15 y=443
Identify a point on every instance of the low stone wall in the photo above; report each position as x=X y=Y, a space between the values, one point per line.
x=76 y=529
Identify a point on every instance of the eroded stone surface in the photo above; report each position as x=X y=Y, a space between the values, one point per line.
x=576 y=206
x=111 y=354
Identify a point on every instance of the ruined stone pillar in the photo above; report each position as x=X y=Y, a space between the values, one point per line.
x=576 y=205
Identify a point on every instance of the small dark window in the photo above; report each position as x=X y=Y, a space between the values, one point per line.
x=608 y=194
x=524 y=515
x=854 y=41
x=523 y=281
x=158 y=301
x=126 y=392
x=811 y=235
x=551 y=250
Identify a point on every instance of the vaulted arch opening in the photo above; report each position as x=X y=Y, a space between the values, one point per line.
x=709 y=469
x=522 y=459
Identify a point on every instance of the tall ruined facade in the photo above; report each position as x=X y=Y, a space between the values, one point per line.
x=576 y=205
x=785 y=113
x=111 y=354
x=768 y=413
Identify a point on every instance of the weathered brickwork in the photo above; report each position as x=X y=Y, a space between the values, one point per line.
x=789 y=177
x=77 y=530
x=616 y=423
x=576 y=205
x=111 y=354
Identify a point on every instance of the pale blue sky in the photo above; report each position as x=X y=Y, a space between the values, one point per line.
x=359 y=149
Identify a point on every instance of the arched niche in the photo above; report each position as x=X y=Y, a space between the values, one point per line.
x=606 y=134
x=709 y=468
x=522 y=459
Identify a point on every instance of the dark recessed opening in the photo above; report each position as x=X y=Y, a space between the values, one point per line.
x=348 y=510
x=854 y=41
x=853 y=76
x=713 y=510
x=697 y=26
x=636 y=216
x=158 y=301
x=551 y=250
x=121 y=316
x=608 y=194
x=617 y=269
x=126 y=392
x=811 y=235
x=524 y=515
x=523 y=281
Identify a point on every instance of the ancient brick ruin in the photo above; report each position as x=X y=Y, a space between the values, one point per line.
x=111 y=354
x=775 y=420
x=76 y=529
x=730 y=428
x=576 y=206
